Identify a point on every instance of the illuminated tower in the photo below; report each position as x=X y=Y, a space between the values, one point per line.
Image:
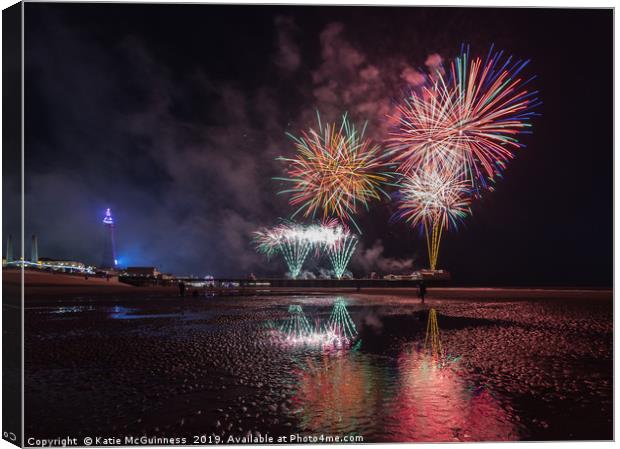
x=34 y=250
x=109 y=246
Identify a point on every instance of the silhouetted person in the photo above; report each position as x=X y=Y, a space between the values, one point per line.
x=421 y=291
x=181 y=288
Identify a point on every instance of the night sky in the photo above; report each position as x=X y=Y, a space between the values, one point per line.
x=173 y=115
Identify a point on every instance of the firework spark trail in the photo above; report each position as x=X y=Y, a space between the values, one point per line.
x=426 y=130
x=266 y=240
x=336 y=170
x=325 y=233
x=294 y=250
x=428 y=196
x=340 y=252
x=339 y=244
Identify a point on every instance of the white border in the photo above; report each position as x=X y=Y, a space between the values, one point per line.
x=479 y=3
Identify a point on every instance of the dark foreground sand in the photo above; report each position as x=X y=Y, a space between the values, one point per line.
x=521 y=364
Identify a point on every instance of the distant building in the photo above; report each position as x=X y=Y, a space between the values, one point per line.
x=439 y=275
x=415 y=276
x=61 y=265
x=109 y=244
x=143 y=272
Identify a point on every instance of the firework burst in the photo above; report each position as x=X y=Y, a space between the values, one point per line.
x=295 y=241
x=471 y=115
x=290 y=240
x=340 y=251
x=454 y=137
x=432 y=196
x=434 y=200
x=336 y=171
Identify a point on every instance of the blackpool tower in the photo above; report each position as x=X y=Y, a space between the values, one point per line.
x=109 y=245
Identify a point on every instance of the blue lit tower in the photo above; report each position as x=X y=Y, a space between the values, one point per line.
x=109 y=246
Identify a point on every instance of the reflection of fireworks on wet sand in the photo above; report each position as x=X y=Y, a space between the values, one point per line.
x=421 y=401
x=341 y=324
x=435 y=404
x=339 y=332
x=297 y=325
x=432 y=341
x=335 y=393
x=423 y=398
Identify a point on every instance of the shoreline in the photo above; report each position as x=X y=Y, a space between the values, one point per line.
x=45 y=284
x=500 y=294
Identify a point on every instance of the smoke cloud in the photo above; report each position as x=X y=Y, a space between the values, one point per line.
x=372 y=259
x=184 y=159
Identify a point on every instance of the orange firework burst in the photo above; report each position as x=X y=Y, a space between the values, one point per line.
x=336 y=169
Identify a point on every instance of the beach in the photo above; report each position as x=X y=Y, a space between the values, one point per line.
x=517 y=364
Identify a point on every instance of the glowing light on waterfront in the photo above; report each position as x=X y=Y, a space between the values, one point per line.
x=349 y=392
x=335 y=171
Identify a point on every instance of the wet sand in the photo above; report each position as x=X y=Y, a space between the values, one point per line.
x=524 y=364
